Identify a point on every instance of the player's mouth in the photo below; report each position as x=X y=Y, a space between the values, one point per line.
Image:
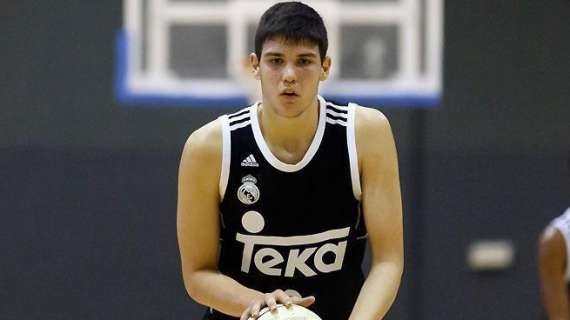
x=289 y=93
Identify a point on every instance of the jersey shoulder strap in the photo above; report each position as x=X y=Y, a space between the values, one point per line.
x=229 y=123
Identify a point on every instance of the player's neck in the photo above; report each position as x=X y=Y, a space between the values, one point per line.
x=291 y=136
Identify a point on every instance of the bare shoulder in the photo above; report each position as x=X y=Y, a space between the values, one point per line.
x=551 y=243
x=205 y=144
x=373 y=131
x=370 y=119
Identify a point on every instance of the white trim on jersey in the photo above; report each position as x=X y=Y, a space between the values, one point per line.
x=240 y=112
x=562 y=224
x=352 y=154
x=335 y=121
x=240 y=125
x=241 y=117
x=226 y=155
x=270 y=157
x=336 y=114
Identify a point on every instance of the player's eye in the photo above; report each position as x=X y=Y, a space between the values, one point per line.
x=276 y=61
x=305 y=62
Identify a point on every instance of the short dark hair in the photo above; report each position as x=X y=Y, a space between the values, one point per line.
x=294 y=21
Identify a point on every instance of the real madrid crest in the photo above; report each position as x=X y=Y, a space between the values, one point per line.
x=248 y=192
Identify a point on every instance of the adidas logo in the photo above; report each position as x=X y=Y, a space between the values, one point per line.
x=249 y=162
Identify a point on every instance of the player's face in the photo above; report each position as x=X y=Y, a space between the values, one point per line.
x=290 y=74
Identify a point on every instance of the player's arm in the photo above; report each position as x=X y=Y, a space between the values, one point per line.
x=552 y=262
x=382 y=207
x=198 y=225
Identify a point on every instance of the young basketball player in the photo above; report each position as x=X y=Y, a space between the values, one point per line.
x=554 y=266
x=277 y=201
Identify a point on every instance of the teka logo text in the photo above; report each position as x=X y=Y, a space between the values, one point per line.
x=304 y=254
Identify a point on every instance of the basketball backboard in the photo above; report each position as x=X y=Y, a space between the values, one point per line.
x=193 y=52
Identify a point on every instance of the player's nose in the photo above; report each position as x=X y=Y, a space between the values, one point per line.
x=289 y=74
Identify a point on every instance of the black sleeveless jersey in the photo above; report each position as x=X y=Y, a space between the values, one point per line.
x=296 y=227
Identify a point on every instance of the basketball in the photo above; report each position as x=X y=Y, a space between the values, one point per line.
x=294 y=312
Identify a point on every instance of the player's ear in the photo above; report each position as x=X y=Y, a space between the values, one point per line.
x=325 y=68
x=254 y=61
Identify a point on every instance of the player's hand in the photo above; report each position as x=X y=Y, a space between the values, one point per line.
x=271 y=300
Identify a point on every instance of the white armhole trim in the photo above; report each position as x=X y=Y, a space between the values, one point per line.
x=226 y=155
x=352 y=154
